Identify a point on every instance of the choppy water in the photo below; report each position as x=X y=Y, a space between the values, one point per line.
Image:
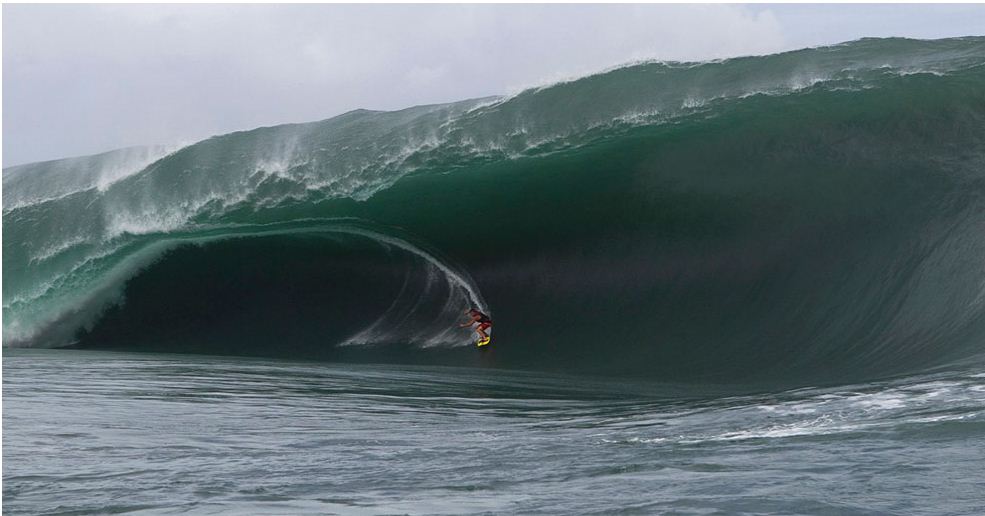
x=99 y=432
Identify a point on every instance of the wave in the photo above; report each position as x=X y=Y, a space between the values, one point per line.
x=47 y=181
x=815 y=214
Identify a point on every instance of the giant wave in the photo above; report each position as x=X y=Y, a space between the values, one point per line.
x=815 y=215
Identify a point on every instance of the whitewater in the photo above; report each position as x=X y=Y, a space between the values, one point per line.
x=751 y=285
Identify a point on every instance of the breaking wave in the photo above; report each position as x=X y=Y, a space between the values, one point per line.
x=817 y=214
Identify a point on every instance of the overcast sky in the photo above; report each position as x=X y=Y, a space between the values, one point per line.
x=82 y=79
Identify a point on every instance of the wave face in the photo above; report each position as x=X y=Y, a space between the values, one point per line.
x=817 y=215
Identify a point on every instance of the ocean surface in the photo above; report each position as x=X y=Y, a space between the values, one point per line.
x=752 y=285
x=89 y=432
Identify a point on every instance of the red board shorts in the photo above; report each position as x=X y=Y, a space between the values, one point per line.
x=483 y=326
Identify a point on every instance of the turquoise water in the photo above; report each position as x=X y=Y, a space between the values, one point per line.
x=98 y=432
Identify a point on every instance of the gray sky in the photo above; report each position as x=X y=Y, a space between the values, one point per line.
x=82 y=79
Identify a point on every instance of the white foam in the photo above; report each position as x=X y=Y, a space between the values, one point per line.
x=881 y=401
x=56 y=249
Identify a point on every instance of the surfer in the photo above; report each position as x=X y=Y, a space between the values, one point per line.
x=484 y=324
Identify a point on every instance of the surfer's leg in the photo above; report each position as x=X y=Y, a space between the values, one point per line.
x=481 y=330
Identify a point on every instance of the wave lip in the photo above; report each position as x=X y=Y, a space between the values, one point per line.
x=49 y=181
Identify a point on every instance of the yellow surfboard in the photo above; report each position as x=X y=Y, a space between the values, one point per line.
x=483 y=342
